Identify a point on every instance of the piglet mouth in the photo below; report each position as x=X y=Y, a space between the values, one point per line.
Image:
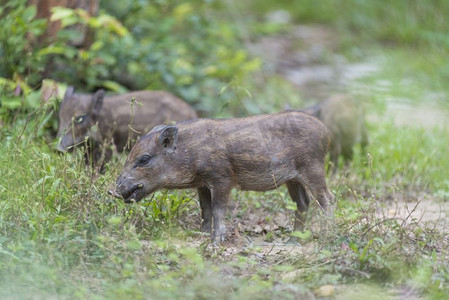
x=134 y=194
x=114 y=194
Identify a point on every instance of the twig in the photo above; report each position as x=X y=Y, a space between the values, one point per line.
x=364 y=274
x=26 y=122
x=410 y=213
x=379 y=223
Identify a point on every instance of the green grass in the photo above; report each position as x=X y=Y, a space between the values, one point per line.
x=406 y=157
x=63 y=236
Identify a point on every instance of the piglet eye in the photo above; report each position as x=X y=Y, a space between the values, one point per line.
x=79 y=119
x=144 y=159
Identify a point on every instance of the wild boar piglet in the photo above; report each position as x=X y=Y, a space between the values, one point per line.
x=257 y=153
x=112 y=119
x=345 y=119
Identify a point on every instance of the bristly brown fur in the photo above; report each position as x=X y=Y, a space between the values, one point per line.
x=115 y=115
x=256 y=153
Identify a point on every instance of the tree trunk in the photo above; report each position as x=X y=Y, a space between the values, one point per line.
x=44 y=12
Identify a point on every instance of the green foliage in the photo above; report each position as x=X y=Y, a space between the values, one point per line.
x=25 y=55
x=176 y=46
x=17 y=54
x=89 y=67
x=20 y=62
x=408 y=154
x=55 y=217
x=400 y=157
x=185 y=47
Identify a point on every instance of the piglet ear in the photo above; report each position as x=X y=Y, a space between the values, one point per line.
x=97 y=102
x=314 y=110
x=157 y=128
x=168 y=138
x=318 y=113
x=69 y=92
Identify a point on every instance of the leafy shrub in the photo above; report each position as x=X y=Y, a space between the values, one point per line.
x=18 y=57
x=170 y=45
x=184 y=47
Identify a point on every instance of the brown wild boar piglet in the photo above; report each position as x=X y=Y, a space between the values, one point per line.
x=257 y=153
x=345 y=120
x=79 y=113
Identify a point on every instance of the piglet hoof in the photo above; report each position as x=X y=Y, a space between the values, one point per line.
x=218 y=239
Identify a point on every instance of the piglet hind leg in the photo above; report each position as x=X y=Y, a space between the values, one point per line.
x=299 y=196
x=219 y=201
x=315 y=181
x=204 y=196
